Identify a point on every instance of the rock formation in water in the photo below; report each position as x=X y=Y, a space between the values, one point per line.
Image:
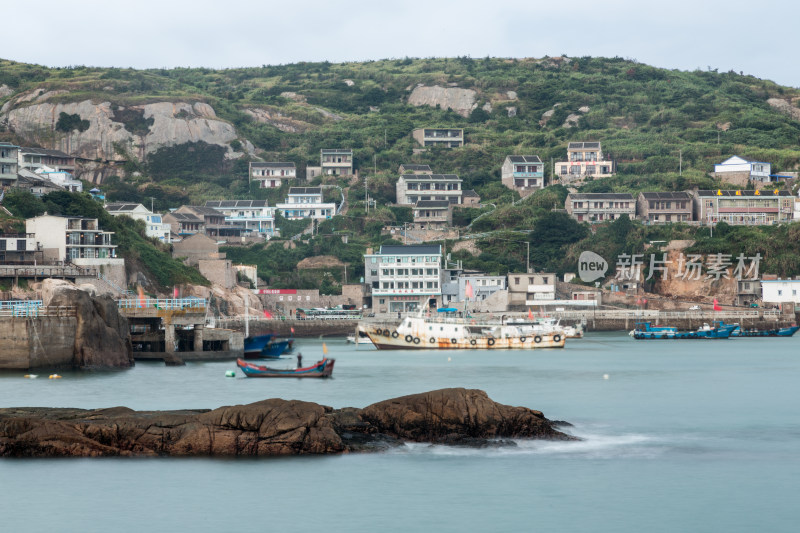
x=270 y=428
x=102 y=335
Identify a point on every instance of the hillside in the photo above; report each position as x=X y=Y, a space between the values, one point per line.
x=186 y=135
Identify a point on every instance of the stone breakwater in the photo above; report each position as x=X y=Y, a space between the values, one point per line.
x=273 y=427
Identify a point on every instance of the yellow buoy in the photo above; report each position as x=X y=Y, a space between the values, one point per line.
x=54 y=376
x=31 y=376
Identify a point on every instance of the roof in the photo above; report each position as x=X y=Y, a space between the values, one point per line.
x=433 y=204
x=8 y=145
x=44 y=151
x=431 y=177
x=184 y=217
x=225 y=204
x=203 y=210
x=666 y=195
x=336 y=151
x=415 y=167
x=121 y=207
x=305 y=190
x=600 y=196
x=524 y=159
x=584 y=146
x=412 y=249
x=273 y=164
x=469 y=193
x=763 y=192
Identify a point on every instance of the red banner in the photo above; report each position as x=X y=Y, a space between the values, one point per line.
x=277 y=291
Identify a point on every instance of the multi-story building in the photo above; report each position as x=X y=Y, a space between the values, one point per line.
x=21 y=249
x=71 y=238
x=404 y=278
x=442 y=137
x=531 y=289
x=748 y=291
x=660 y=207
x=34 y=159
x=412 y=168
x=184 y=224
x=781 y=291
x=482 y=286
x=523 y=173
x=598 y=207
x=214 y=223
x=740 y=170
x=336 y=162
x=272 y=175
x=154 y=225
x=412 y=188
x=306 y=202
x=9 y=164
x=584 y=160
x=253 y=216
x=433 y=214
x=765 y=206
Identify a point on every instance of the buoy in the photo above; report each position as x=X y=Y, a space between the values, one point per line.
x=449 y=359
x=54 y=376
x=605 y=376
x=31 y=376
x=230 y=374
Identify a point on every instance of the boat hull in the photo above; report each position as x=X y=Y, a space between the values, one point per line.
x=779 y=332
x=322 y=369
x=648 y=332
x=255 y=344
x=390 y=339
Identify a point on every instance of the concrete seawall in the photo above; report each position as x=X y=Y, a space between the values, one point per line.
x=31 y=342
x=302 y=328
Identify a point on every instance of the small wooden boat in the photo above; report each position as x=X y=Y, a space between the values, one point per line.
x=320 y=369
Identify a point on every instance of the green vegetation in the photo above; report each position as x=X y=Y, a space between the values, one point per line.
x=67 y=123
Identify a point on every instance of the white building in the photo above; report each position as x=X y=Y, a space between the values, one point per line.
x=34 y=159
x=780 y=291
x=8 y=163
x=62 y=178
x=756 y=170
x=411 y=188
x=336 y=162
x=523 y=173
x=255 y=216
x=585 y=160
x=154 y=224
x=306 y=202
x=404 y=278
x=272 y=175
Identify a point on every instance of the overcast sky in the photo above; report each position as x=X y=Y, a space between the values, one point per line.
x=756 y=37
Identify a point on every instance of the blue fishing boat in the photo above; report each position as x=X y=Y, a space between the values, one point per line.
x=788 y=331
x=274 y=348
x=255 y=344
x=644 y=330
x=320 y=369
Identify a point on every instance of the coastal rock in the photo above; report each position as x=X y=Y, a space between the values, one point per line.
x=5 y=90
x=462 y=101
x=102 y=338
x=272 y=427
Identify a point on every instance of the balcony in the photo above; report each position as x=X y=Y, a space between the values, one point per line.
x=539 y=174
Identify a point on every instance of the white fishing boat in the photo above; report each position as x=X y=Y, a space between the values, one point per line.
x=445 y=331
x=550 y=325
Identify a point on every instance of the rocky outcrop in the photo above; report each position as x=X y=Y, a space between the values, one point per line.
x=277 y=119
x=5 y=90
x=270 y=428
x=785 y=107
x=140 y=129
x=102 y=336
x=318 y=262
x=227 y=302
x=462 y=101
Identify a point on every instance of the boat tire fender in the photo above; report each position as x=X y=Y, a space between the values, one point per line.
x=432 y=340
x=537 y=339
x=386 y=332
x=379 y=331
x=473 y=342
x=453 y=340
x=557 y=338
x=523 y=339
x=490 y=342
x=416 y=340
x=409 y=338
x=395 y=334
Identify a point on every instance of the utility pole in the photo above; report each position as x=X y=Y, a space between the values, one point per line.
x=528 y=260
x=366 y=194
x=680 y=162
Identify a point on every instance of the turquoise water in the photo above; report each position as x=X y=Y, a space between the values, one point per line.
x=681 y=436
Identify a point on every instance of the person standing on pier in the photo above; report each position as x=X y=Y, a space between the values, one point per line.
x=299 y=360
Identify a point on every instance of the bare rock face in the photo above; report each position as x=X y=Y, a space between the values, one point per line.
x=268 y=428
x=227 y=302
x=168 y=124
x=5 y=90
x=785 y=107
x=462 y=101
x=102 y=338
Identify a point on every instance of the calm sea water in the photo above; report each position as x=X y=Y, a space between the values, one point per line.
x=681 y=436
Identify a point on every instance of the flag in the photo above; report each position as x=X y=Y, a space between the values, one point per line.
x=468 y=290
x=267 y=314
x=716 y=305
x=292 y=329
x=530 y=314
x=175 y=292
x=141 y=297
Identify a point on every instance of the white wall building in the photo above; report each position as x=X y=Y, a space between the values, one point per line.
x=272 y=175
x=306 y=202
x=758 y=170
x=411 y=188
x=254 y=216
x=154 y=224
x=404 y=278
x=780 y=291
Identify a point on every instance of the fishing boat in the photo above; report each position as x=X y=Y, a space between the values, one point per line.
x=787 y=331
x=255 y=344
x=359 y=337
x=446 y=331
x=274 y=348
x=320 y=369
x=550 y=325
x=645 y=330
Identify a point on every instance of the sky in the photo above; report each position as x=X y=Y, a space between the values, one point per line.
x=754 y=37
